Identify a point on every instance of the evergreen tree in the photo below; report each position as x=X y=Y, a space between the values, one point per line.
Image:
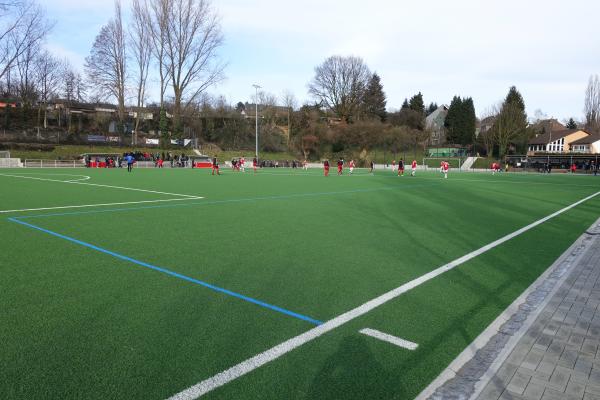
x=416 y=103
x=374 y=99
x=515 y=98
x=452 y=121
x=469 y=121
x=405 y=105
x=571 y=124
x=511 y=122
x=163 y=126
x=461 y=121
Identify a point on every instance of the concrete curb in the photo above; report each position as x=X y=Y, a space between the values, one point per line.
x=497 y=336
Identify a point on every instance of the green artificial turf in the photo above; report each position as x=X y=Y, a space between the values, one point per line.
x=78 y=323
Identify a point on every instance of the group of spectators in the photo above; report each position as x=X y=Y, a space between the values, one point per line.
x=588 y=166
x=176 y=160
x=106 y=162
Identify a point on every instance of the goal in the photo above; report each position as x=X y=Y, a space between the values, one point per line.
x=433 y=163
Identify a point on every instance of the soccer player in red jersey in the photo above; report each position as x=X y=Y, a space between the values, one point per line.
x=326 y=168
x=340 y=165
x=254 y=164
x=215 y=166
x=351 y=166
x=394 y=165
x=414 y=167
x=445 y=168
x=401 y=167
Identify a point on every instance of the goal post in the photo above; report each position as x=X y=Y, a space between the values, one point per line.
x=433 y=163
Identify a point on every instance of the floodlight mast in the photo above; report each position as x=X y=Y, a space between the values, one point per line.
x=256 y=87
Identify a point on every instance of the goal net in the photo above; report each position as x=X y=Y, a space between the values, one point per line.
x=4 y=154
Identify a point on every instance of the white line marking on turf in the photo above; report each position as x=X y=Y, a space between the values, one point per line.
x=81 y=177
x=100 y=185
x=389 y=338
x=84 y=178
x=95 y=205
x=279 y=350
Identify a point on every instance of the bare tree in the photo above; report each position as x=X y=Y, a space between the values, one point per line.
x=73 y=88
x=509 y=125
x=289 y=101
x=193 y=37
x=267 y=106
x=23 y=25
x=339 y=83
x=141 y=47
x=592 y=104
x=25 y=64
x=47 y=72
x=157 y=12
x=486 y=135
x=105 y=66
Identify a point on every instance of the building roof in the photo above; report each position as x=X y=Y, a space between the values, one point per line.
x=552 y=136
x=547 y=125
x=437 y=117
x=588 y=139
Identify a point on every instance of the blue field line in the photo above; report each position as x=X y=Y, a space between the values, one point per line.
x=213 y=202
x=171 y=273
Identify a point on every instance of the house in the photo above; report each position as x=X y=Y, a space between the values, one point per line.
x=435 y=123
x=485 y=125
x=555 y=141
x=587 y=145
x=548 y=125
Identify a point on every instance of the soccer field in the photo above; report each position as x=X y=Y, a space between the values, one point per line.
x=161 y=283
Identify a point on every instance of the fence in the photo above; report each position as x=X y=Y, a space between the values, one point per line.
x=4 y=154
x=53 y=164
x=10 y=163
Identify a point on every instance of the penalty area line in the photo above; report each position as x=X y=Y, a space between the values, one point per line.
x=287 y=346
x=102 y=185
x=97 y=205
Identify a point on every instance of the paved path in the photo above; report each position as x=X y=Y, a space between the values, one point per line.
x=545 y=346
x=558 y=356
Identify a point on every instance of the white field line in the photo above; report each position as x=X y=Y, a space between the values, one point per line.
x=389 y=338
x=81 y=177
x=100 y=185
x=84 y=178
x=389 y=174
x=95 y=205
x=279 y=350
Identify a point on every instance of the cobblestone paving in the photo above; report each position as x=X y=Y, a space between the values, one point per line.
x=558 y=357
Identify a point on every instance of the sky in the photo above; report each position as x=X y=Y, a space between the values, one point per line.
x=547 y=49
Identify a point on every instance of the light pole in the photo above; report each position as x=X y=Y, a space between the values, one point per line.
x=256 y=87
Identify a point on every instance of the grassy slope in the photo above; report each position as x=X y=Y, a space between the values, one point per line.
x=112 y=329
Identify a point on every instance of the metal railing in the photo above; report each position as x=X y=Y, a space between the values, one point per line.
x=53 y=164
